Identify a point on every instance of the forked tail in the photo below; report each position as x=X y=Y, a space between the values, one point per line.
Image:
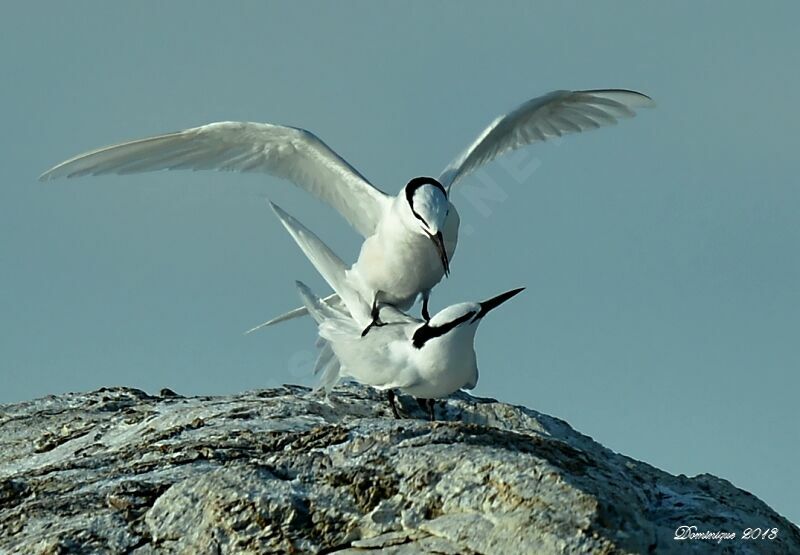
x=327 y=263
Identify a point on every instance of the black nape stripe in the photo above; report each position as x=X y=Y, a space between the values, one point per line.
x=415 y=184
x=418 y=182
x=426 y=332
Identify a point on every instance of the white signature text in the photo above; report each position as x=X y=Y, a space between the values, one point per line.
x=692 y=533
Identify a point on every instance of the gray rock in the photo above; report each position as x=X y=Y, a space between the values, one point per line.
x=285 y=471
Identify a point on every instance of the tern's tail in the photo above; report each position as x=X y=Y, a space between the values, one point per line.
x=327 y=263
x=327 y=367
x=327 y=364
x=318 y=310
x=333 y=323
x=332 y=300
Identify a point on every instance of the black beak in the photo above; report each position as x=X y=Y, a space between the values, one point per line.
x=494 y=302
x=438 y=240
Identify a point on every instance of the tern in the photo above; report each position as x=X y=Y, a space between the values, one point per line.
x=410 y=238
x=427 y=359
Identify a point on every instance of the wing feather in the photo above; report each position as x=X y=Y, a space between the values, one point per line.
x=331 y=300
x=539 y=119
x=287 y=152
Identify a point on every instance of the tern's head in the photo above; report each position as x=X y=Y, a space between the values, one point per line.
x=460 y=319
x=428 y=207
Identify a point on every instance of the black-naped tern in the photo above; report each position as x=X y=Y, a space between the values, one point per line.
x=427 y=359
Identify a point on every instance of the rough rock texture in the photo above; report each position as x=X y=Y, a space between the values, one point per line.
x=285 y=471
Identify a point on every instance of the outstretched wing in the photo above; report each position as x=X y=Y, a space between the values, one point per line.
x=288 y=152
x=539 y=119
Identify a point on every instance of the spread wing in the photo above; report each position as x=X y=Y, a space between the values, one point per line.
x=539 y=119
x=291 y=153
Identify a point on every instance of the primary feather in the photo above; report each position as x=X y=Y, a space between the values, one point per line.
x=288 y=152
x=542 y=118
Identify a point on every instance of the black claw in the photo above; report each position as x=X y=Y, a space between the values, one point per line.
x=375 y=313
x=373 y=324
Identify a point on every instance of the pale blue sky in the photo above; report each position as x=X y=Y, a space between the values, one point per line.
x=661 y=256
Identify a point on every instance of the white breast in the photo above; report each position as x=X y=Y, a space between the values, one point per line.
x=400 y=263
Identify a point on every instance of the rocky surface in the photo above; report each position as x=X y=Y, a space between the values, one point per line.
x=285 y=471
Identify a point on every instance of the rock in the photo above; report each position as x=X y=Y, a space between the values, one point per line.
x=167 y=392
x=286 y=471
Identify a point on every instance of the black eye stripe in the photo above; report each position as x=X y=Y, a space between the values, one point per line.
x=426 y=332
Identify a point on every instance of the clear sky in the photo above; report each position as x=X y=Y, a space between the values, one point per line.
x=660 y=256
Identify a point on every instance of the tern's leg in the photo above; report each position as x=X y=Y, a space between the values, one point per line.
x=428 y=406
x=375 y=313
x=391 y=396
x=425 y=314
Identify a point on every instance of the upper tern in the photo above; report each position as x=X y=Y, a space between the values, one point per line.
x=410 y=238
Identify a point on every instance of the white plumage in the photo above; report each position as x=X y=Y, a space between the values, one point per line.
x=409 y=238
x=425 y=359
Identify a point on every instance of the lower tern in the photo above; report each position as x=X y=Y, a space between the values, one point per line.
x=410 y=238
x=428 y=360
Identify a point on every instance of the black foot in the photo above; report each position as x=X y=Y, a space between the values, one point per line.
x=391 y=396
x=373 y=324
x=425 y=314
x=375 y=313
x=428 y=406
